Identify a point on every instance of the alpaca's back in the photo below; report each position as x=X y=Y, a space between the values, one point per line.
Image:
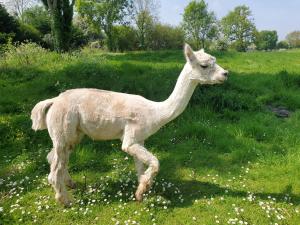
x=102 y=115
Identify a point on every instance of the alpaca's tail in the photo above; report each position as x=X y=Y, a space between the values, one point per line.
x=38 y=114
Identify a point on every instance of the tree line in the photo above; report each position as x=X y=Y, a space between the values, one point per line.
x=124 y=25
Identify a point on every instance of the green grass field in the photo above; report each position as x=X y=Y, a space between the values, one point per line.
x=226 y=160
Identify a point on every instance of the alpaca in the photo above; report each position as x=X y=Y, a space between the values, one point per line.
x=107 y=115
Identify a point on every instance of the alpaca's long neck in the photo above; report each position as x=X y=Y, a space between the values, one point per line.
x=180 y=97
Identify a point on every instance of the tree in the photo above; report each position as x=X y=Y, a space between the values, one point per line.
x=61 y=12
x=12 y=29
x=78 y=38
x=28 y=33
x=125 y=38
x=103 y=14
x=144 y=18
x=166 y=37
x=198 y=23
x=266 y=40
x=144 y=24
x=283 y=45
x=8 y=25
x=91 y=32
x=293 y=39
x=39 y=18
x=238 y=27
x=18 y=7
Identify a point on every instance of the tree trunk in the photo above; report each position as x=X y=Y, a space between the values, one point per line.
x=110 y=40
x=61 y=12
x=203 y=43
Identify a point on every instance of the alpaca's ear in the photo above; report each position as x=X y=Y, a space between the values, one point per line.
x=189 y=53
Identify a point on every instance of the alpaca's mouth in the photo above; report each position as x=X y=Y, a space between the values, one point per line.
x=221 y=81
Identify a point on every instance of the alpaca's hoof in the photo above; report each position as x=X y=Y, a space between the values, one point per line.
x=64 y=200
x=139 y=196
x=142 y=188
x=71 y=184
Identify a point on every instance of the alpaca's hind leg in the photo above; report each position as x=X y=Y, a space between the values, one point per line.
x=68 y=180
x=76 y=138
x=57 y=174
x=140 y=167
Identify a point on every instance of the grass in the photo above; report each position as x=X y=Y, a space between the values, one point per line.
x=226 y=160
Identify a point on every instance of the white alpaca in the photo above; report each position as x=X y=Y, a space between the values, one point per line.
x=106 y=115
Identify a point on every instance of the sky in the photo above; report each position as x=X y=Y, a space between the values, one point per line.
x=280 y=15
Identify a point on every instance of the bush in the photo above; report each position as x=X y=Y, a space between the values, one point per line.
x=78 y=39
x=266 y=40
x=293 y=39
x=222 y=45
x=28 y=33
x=47 y=41
x=5 y=37
x=125 y=38
x=24 y=54
x=11 y=28
x=166 y=37
x=8 y=25
x=283 y=45
x=39 y=18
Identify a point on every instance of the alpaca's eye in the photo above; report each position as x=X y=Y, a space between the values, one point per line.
x=204 y=66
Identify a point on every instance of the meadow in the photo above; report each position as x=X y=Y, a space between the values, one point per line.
x=228 y=159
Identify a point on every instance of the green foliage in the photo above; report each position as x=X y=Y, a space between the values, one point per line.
x=145 y=25
x=61 y=13
x=238 y=27
x=90 y=31
x=221 y=45
x=199 y=24
x=7 y=23
x=266 y=40
x=78 y=38
x=25 y=54
x=8 y=26
x=283 y=45
x=293 y=39
x=125 y=38
x=103 y=14
x=166 y=37
x=28 y=33
x=39 y=18
x=5 y=37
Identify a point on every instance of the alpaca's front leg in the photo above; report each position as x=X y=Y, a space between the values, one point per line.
x=140 y=152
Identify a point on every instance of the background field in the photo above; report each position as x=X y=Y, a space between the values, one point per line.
x=226 y=160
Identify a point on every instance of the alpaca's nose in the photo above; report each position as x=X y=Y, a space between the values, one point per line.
x=225 y=73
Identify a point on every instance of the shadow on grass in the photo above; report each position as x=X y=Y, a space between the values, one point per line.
x=192 y=190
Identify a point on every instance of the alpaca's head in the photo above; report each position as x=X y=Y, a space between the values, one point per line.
x=205 y=70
